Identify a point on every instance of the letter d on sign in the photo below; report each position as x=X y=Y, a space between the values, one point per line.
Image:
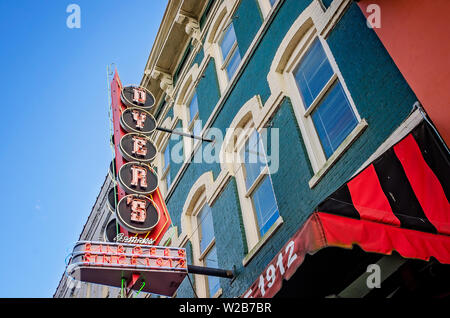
x=74 y=19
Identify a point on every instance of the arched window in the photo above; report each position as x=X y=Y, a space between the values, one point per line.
x=187 y=106
x=194 y=122
x=328 y=115
x=221 y=43
x=230 y=56
x=197 y=224
x=245 y=155
x=258 y=202
x=305 y=70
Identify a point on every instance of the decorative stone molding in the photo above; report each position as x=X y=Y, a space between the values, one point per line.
x=165 y=83
x=192 y=27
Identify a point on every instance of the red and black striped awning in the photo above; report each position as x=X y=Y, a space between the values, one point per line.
x=408 y=186
x=399 y=202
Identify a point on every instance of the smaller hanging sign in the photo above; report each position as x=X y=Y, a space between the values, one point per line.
x=161 y=268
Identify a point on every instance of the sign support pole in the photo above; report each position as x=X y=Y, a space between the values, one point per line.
x=209 y=271
x=183 y=134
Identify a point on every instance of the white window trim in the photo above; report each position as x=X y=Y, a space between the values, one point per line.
x=165 y=169
x=251 y=116
x=212 y=46
x=218 y=293
x=282 y=82
x=275 y=226
x=312 y=141
x=188 y=124
x=202 y=287
x=200 y=194
x=249 y=217
x=325 y=20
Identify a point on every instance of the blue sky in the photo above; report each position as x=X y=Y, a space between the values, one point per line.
x=55 y=132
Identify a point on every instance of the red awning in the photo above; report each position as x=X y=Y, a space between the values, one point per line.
x=397 y=203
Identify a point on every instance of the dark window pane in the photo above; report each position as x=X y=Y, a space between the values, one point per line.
x=197 y=129
x=233 y=63
x=265 y=205
x=166 y=156
x=205 y=227
x=254 y=159
x=334 y=119
x=193 y=107
x=211 y=261
x=227 y=41
x=313 y=72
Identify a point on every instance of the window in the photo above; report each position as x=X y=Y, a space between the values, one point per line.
x=213 y=281
x=230 y=51
x=258 y=184
x=207 y=246
x=324 y=101
x=166 y=167
x=246 y=158
x=207 y=254
x=222 y=45
x=195 y=126
x=304 y=69
x=197 y=225
x=205 y=228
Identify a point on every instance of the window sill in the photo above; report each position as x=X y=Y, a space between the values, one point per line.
x=357 y=131
x=262 y=241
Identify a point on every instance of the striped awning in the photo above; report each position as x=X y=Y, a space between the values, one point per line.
x=408 y=186
x=399 y=202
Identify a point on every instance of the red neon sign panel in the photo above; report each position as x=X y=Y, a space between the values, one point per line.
x=118 y=107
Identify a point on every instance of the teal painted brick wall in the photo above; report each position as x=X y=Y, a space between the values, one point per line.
x=230 y=234
x=208 y=91
x=174 y=142
x=326 y=3
x=169 y=113
x=198 y=57
x=193 y=171
x=228 y=227
x=247 y=20
x=377 y=87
